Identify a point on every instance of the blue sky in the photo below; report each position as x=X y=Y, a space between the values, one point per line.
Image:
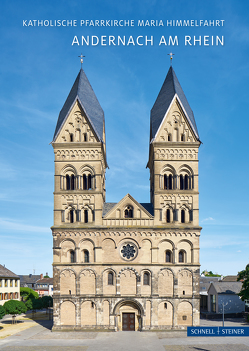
x=38 y=68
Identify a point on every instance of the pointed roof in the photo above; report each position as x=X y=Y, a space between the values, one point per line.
x=170 y=88
x=83 y=92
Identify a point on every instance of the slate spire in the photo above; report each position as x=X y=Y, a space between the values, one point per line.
x=83 y=92
x=170 y=88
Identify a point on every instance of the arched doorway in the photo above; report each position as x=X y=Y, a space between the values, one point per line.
x=128 y=315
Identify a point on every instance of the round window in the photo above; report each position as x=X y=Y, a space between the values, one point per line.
x=128 y=251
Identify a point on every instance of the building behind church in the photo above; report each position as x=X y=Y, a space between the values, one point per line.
x=126 y=265
x=9 y=285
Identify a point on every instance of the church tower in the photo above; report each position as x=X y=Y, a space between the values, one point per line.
x=173 y=158
x=80 y=158
x=125 y=265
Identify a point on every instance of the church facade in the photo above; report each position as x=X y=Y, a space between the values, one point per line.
x=126 y=265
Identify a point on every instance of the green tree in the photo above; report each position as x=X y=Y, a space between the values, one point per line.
x=244 y=276
x=47 y=301
x=29 y=304
x=14 y=307
x=28 y=293
x=34 y=304
x=37 y=304
x=2 y=312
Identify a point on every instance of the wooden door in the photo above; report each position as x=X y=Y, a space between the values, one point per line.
x=128 y=321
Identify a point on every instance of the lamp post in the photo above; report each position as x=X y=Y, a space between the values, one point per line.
x=223 y=313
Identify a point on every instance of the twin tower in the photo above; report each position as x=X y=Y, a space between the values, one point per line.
x=126 y=265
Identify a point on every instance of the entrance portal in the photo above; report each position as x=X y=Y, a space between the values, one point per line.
x=128 y=315
x=128 y=321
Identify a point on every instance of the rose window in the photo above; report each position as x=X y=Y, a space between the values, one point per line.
x=128 y=251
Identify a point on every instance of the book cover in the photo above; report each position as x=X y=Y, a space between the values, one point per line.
x=127 y=49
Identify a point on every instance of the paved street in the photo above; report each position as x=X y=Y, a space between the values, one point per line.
x=40 y=338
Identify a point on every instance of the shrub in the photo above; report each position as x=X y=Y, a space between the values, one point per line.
x=28 y=293
x=29 y=304
x=2 y=312
x=37 y=304
x=47 y=301
x=14 y=307
x=34 y=304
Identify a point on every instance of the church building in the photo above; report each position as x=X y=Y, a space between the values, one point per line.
x=126 y=265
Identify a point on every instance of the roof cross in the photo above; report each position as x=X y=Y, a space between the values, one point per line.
x=171 y=57
x=81 y=59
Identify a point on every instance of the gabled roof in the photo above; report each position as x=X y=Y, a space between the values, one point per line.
x=83 y=92
x=230 y=278
x=29 y=279
x=107 y=206
x=170 y=88
x=48 y=281
x=227 y=287
x=110 y=206
x=4 y=272
x=148 y=206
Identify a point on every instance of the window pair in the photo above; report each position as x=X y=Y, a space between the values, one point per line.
x=73 y=256
x=78 y=216
x=71 y=136
x=185 y=182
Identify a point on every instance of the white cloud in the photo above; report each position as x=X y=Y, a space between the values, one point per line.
x=208 y=219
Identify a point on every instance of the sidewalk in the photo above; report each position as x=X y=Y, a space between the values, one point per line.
x=38 y=337
x=22 y=322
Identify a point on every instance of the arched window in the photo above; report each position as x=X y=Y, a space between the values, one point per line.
x=168 y=178
x=67 y=182
x=86 y=256
x=89 y=181
x=186 y=182
x=169 y=137
x=165 y=178
x=168 y=215
x=71 y=215
x=170 y=185
x=182 y=137
x=78 y=215
x=71 y=137
x=72 y=256
x=182 y=216
x=86 y=216
x=181 y=182
x=182 y=256
x=84 y=182
x=168 y=256
x=168 y=181
x=85 y=136
x=72 y=181
x=110 y=278
x=146 y=278
x=128 y=213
